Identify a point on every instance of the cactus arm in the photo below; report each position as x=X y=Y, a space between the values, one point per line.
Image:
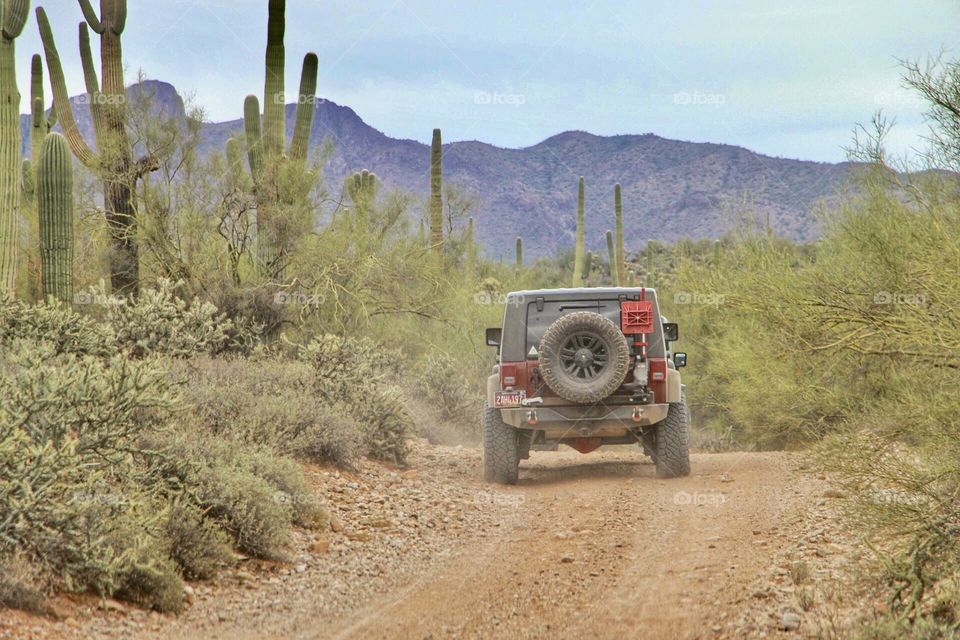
x=61 y=99
x=436 y=196
x=91 y=82
x=10 y=142
x=38 y=121
x=90 y=15
x=251 y=123
x=118 y=16
x=621 y=257
x=14 y=14
x=305 y=108
x=55 y=212
x=578 y=254
x=274 y=107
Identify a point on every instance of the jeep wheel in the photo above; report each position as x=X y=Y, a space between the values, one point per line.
x=672 y=442
x=584 y=357
x=501 y=455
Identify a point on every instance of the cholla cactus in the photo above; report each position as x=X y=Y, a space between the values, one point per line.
x=55 y=213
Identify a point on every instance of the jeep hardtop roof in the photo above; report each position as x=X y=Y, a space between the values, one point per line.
x=582 y=292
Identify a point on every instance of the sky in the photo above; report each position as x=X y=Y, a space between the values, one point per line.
x=789 y=79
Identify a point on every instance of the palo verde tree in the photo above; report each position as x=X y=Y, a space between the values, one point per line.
x=13 y=16
x=114 y=158
x=281 y=180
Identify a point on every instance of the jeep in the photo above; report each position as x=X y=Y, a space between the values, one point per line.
x=584 y=367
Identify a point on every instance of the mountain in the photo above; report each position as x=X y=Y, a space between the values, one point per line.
x=671 y=188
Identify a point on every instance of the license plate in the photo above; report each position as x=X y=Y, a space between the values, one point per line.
x=509 y=398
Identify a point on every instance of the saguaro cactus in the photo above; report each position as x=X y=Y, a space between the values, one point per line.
x=579 y=247
x=55 y=212
x=471 y=248
x=519 y=252
x=266 y=139
x=613 y=259
x=621 y=257
x=587 y=265
x=114 y=158
x=649 y=279
x=436 y=192
x=362 y=189
x=13 y=15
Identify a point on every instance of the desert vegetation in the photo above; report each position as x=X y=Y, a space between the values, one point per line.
x=258 y=317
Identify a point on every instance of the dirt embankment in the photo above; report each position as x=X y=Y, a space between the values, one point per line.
x=585 y=546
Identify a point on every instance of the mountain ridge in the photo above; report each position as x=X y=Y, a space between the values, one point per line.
x=671 y=188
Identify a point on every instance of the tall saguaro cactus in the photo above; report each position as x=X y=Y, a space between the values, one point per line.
x=40 y=126
x=471 y=248
x=578 y=252
x=266 y=140
x=649 y=280
x=519 y=254
x=114 y=157
x=55 y=213
x=621 y=257
x=436 y=192
x=13 y=16
x=613 y=259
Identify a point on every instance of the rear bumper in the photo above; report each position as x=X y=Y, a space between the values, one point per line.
x=585 y=421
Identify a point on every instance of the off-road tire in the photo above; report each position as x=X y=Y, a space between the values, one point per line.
x=673 y=441
x=501 y=448
x=606 y=335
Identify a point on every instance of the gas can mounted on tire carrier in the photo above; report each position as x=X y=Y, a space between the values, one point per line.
x=584 y=368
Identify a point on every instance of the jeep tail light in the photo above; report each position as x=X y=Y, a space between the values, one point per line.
x=657 y=376
x=509 y=380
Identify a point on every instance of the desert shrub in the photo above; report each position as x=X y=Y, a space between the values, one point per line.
x=359 y=376
x=269 y=402
x=194 y=542
x=20 y=586
x=441 y=379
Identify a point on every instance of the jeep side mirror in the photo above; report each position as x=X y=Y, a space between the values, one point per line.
x=679 y=360
x=494 y=336
x=671 y=332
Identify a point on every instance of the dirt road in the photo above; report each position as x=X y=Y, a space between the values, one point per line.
x=598 y=547
x=585 y=546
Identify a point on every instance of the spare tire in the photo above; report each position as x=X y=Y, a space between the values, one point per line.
x=584 y=357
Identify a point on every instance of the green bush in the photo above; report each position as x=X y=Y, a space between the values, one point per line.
x=195 y=543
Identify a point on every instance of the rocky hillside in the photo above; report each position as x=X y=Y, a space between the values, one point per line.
x=671 y=188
